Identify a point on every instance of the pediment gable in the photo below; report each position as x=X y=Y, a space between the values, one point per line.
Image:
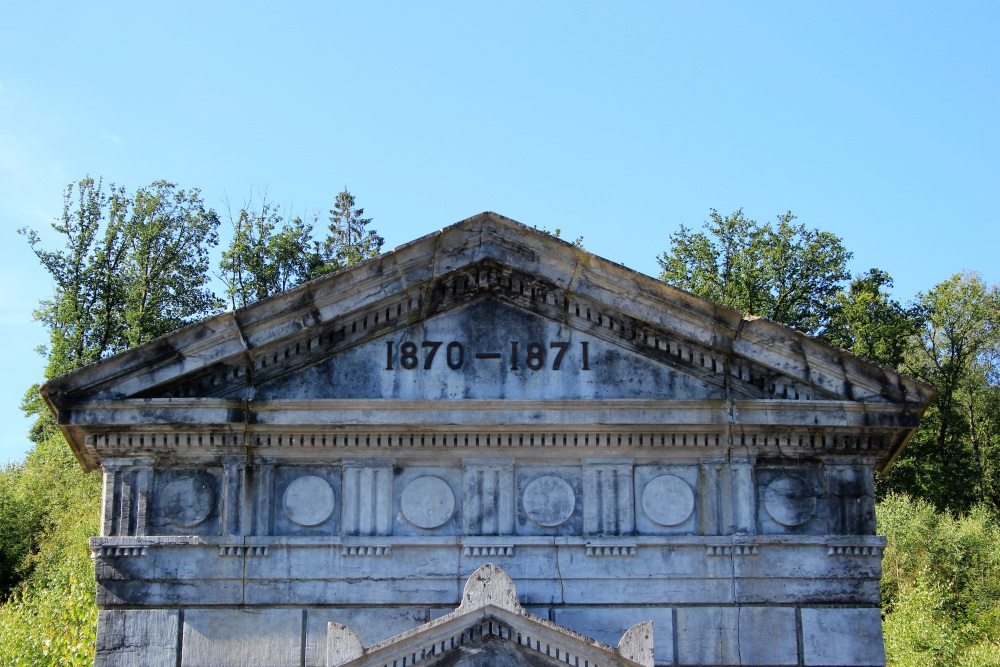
x=477 y=288
x=490 y=627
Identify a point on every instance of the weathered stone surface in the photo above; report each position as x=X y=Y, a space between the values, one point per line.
x=353 y=450
x=608 y=624
x=767 y=636
x=242 y=637
x=637 y=644
x=708 y=636
x=372 y=625
x=850 y=637
x=128 y=637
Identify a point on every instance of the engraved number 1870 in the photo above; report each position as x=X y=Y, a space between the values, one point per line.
x=533 y=356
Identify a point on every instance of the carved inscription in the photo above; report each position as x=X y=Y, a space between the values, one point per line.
x=533 y=355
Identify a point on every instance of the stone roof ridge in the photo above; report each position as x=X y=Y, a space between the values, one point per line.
x=632 y=303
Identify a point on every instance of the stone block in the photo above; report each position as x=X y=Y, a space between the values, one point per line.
x=647 y=591
x=169 y=593
x=608 y=624
x=242 y=637
x=372 y=625
x=129 y=637
x=708 y=636
x=843 y=637
x=408 y=591
x=767 y=636
x=807 y=591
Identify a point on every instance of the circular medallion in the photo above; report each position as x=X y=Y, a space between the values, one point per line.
x=427 y=502
x=549 y=501
x=309 y=501
x=186 y=502
x=790 y=501
x=668 y=500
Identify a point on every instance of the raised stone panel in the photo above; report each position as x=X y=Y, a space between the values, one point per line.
x=367 y=502
x=237 y=498
x=186 y=501
x=666 y=500
x=242 y=637
x=715 y=498
x=843 y=637
x=264 y=497
x=125 y=497
x=488 y=497
x=742 y=476
x=851 y=500
x=790 y=500
x=608 y=498
x=549 y=500
x=428 y=501
x=307 y=500
x=129 y=637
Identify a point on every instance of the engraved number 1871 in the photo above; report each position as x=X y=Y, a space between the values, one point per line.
x=533 y=356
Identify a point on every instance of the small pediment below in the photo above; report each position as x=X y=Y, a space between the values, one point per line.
x=490 y=628
x=491 y=350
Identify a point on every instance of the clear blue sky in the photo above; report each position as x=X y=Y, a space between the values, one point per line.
x=617 y=122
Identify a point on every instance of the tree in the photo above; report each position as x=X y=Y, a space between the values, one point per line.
x=956 y=350
x=784 y=272
x=132 y=268
x=267 y=254
x=349 y=241
x=940 y=585
x=871 y=324
x=166 y=276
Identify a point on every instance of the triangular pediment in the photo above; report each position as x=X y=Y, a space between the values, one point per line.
x=490 y=628
x=491 y=349
x=497 y=304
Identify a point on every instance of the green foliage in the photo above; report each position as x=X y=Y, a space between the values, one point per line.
x=349 y=241
x=165 y=275
x=52 y=625
x=953 y=461
x=131 y=268
x=940 y=585
x=17 y=528
x=784 y=272
x=47 y=506
x=50 y=617
x=577 y=242
x=871 y=324
x=268 y=254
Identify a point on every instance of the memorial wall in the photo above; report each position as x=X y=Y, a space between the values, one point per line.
x=302 y=480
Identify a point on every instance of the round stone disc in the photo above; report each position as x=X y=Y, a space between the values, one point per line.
x=186 y=502
x=668 y=500
x=549 y=501
x=309 y=501
x=790 y=501
x=427 y=502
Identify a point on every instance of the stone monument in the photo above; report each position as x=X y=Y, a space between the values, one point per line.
x=315 y=479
